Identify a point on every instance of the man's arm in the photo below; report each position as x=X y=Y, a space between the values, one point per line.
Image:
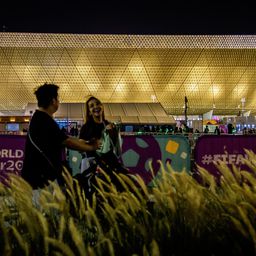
x=81 y=145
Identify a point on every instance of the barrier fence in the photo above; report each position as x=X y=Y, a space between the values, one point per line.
x=139 y=150
x=229 y=149
x=11 y=154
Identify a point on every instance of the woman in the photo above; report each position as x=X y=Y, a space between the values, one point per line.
x=97 y=127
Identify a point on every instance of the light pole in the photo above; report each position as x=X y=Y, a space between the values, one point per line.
x=186 y=108
x=243 y=103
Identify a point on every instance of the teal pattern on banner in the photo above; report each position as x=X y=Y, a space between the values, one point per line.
x=139 y=150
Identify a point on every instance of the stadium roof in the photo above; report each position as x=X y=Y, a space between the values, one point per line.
x=212 y=71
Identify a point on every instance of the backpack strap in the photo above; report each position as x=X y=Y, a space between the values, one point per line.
x=41 y=151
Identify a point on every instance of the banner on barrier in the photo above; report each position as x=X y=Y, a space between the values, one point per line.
x=137 y=152
x=11 y=154
x=229 y=149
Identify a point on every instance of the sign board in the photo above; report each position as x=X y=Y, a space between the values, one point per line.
x=11 y=154
x=227 y=148
x=137 y=152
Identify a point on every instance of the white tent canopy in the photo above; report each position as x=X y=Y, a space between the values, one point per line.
x=136 y=113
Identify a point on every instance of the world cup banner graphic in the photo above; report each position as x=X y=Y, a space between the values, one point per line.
x=137 y=152
x=11 y=154
x=228 y=149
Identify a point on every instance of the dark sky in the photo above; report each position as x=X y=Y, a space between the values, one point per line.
x=127 y=17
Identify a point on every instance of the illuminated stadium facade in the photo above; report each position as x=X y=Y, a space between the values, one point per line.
x=213 y=72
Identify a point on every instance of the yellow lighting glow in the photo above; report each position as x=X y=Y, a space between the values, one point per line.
x=120 y=87
x=136 y=69
x=93 y=87
x=241 y=90
x=192 y=88
x=215 y=89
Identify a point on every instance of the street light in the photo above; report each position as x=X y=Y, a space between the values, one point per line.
x=243 y=102
x=186 y=108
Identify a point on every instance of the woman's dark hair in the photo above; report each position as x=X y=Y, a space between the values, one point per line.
x=45 y=94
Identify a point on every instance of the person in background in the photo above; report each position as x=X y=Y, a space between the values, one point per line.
x=206 y=130
x=96 y=127
x=45 y=141
x=185 y=128
x=217 y=130
x=64 y=130
x=74 y=131
x=230 y=128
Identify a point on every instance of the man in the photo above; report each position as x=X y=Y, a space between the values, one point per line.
x=206 y=130
x=45 y=141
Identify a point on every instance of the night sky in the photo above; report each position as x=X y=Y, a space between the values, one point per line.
x=127 y=17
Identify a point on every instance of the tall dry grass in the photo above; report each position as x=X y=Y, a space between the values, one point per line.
x=177 y=216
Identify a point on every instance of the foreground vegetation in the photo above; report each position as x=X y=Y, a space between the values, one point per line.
x=177 y=216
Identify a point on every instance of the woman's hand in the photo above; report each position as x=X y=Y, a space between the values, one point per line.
x=93 y=144
x=110 y=126
x=96 y=144
x=82 y=145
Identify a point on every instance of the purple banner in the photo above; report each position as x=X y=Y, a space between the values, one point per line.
x=139 y=150
x=11 y=154
x=227 y=148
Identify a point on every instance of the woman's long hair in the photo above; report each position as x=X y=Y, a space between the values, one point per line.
x=87 y=116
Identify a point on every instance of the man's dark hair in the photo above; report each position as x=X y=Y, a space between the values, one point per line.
x=45 y=94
